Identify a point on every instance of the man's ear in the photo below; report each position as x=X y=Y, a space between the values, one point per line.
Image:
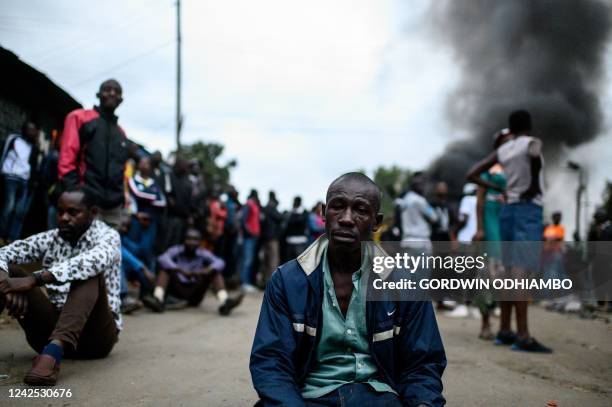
x=378 y=222
x=98 y=95
x=119 y=101
x=94 y=211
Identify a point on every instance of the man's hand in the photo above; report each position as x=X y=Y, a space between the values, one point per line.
x=144 y=219
x=16 y=304
x=479 y=236
x=17 y=284
x=4 y=275
x=530 y=193
x=206 y=270
x=148 y=275
x=186 y=273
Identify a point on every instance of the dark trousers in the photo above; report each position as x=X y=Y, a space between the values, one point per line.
x=174 y=231
x=294 y=250
x=229 y=253
x=85 y=325
x=271 y=249
x=193 y=293
x=355 y=394
x=16 y=205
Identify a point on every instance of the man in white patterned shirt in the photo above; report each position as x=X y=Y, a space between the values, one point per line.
x=81 y=261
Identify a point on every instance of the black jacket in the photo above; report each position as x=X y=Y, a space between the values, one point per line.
x=94 y=152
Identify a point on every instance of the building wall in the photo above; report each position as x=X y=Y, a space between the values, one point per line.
x=12 y=117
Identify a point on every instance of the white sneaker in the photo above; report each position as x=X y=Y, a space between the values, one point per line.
x=573 y=306
x=460 y=311
x=449 y=303
x=248 y=288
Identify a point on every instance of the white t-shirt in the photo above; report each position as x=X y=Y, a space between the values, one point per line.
x=467 y=209
x=17 y=161
x=515 y=157
x=416 y=214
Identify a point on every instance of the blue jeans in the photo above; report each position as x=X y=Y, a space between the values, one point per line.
x=16 y=205
x=521 y=232
x=131 y=269
x=143 y=241
x=355 y=394
x=249 y=247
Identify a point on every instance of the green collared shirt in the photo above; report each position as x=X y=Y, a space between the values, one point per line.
x=343 y=354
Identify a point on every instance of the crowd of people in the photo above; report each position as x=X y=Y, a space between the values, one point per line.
x=501 y=212
x=151 y=233
x=127 y=230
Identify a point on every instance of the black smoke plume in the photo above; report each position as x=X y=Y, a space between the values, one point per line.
x=546 y=56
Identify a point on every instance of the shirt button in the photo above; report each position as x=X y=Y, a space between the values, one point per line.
x=348 y=331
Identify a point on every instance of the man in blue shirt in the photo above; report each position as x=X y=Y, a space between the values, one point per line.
x=320 y=342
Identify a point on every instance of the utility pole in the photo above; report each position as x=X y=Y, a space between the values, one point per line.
x=579 y=191
x=179 y=116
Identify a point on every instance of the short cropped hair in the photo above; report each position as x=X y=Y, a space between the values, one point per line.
x=89 y=198
x=519 y=120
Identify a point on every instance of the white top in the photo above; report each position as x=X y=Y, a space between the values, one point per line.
x=515 y=157
x=17 y=161
x=98 y=251
x=467 y=209
x=416 y=216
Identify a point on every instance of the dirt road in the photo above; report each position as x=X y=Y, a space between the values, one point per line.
x=196 y=358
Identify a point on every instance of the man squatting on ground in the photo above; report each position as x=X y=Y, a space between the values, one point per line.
x=318 y=340
x=81 y=263
x=186 y=272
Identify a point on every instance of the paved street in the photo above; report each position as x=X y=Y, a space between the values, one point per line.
x=196 y=358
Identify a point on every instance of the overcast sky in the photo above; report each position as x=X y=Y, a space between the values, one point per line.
x=298 y=92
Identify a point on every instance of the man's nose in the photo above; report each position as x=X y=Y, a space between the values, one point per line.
x=346 y=217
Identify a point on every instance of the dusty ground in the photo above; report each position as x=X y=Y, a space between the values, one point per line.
x=196 y=358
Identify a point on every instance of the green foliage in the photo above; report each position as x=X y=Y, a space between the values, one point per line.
x=208 y=155
x=393 y=181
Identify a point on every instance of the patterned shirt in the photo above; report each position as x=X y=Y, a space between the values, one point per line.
x=97 y=251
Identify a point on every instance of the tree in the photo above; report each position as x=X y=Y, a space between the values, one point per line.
x=393 y=181
x=208 y=154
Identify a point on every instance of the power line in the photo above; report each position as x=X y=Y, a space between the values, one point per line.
x=122 y=64
x=82 y=41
